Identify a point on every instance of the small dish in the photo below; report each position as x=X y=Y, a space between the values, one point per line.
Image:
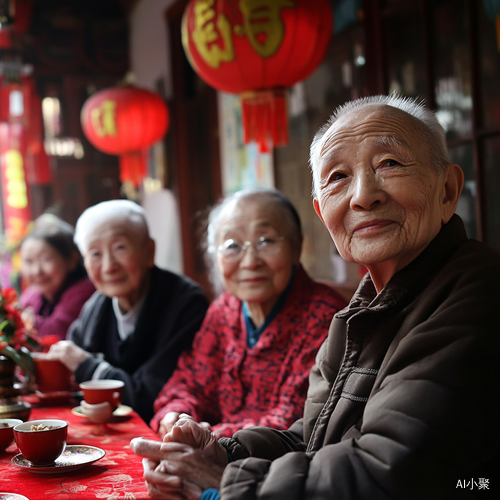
x=74 y=457
x=12 y=496
x=54 y=397
x=121 y=411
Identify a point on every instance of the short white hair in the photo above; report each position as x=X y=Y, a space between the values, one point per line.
x=113 y=210
x=434 y=134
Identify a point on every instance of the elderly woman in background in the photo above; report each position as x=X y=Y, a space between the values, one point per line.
x=57 y=282
x=402 y=400
x=250 y=361
x=142 y=317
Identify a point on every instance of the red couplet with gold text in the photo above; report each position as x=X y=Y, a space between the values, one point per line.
x=15 y=199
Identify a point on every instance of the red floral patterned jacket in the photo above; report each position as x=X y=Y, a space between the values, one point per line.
x=224 y=382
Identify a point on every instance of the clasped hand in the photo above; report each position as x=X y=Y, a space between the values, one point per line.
x=187 y=462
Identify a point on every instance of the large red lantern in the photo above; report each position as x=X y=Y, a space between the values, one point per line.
x=125 y=121
x=257 y=48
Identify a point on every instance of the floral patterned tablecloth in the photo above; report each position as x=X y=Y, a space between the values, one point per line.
x=118 y=475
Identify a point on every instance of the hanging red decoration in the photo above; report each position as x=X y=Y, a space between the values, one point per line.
x=15 y=194
x=257 y=48
x=5 y=41
x=37 y=161
x=125 y=121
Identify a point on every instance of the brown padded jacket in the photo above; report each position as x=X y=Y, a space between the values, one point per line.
x=402 y=399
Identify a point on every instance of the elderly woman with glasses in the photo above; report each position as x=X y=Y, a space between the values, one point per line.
x=250 y=361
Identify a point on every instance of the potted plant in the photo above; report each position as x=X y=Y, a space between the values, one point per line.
x=17 y=340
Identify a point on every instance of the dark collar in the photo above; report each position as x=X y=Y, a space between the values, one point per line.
x=410 y=280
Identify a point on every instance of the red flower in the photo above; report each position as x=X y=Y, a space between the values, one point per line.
x=14 y=331
x=10 y=295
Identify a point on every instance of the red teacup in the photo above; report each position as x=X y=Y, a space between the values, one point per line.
x=7 y=432
x=105 y=390
x=41 y=447
x=51 y=375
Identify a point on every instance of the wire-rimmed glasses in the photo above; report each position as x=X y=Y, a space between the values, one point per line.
x=232 y=250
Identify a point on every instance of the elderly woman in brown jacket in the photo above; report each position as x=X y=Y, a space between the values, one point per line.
x=401 y=401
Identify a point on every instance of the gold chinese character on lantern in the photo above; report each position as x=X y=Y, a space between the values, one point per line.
x=207 y=38
x=262 y=24
x=103 y=119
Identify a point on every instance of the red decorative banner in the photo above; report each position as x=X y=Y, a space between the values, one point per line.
x=16 y=206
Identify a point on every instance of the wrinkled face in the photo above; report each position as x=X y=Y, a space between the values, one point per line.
x=44 y=267
x=378 y=194
x=117 y=258
x=255 y=277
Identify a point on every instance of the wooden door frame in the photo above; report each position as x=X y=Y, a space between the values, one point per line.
x=182 y=180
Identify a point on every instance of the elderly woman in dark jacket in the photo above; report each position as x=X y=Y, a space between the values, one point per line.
x=402 y=400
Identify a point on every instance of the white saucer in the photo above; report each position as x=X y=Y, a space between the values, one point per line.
x=12 y=496
x=121 y=411
x=74 y=457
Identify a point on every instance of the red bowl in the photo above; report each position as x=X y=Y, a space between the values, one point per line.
x=7 y=433
x=41 y=447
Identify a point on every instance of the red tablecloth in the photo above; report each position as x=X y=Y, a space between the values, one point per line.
x=118 y=475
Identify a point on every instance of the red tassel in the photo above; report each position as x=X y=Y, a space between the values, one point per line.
x=264 y=117
x=133 y=167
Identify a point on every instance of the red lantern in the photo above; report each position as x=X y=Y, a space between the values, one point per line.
x=125 y=121
x=256 y=48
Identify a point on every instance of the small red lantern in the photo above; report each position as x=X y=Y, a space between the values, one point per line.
x=125 y=121
x=256 y=48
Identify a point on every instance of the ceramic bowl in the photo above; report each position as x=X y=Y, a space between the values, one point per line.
x=50 y=374
x=41 y=447
x=7 y=432
x=101 y=391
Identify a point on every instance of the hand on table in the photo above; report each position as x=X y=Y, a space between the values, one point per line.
x=189 y=461
x=68 y=353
